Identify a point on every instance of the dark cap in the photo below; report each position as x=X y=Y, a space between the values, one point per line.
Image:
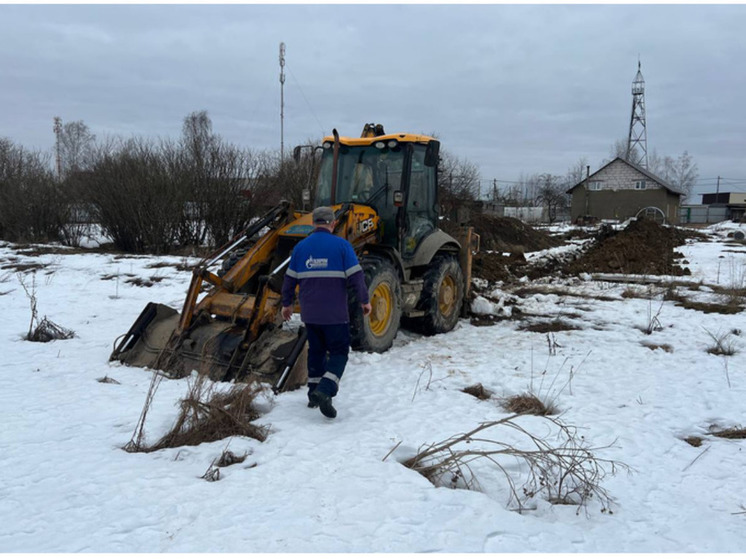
x=323 y=215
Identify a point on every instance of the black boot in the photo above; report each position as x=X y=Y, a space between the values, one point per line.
x=324 y=401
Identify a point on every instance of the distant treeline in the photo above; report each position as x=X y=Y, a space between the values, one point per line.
x=145 y=195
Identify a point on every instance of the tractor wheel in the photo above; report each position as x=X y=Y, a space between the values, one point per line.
x=377 y=331
x=442 y=296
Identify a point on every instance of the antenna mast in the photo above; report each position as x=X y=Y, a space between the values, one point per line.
x=637 y=142
x=282 y=101
x=57 y=147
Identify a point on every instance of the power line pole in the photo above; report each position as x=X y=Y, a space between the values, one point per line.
x=282 y=101
x=57 y=147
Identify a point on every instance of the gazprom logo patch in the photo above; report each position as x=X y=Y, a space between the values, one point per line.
x=316 y=263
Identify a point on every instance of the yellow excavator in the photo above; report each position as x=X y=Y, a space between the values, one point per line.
x=384 y=191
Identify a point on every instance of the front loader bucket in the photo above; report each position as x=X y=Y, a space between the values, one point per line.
x=215 y=349
x=147 y=337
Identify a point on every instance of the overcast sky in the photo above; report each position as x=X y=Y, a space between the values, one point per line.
x=516 y=89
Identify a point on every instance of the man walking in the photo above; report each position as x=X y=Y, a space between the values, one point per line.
x=323 y=265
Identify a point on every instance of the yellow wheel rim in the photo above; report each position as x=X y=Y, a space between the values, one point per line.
x=447 y=296
x=381 y=304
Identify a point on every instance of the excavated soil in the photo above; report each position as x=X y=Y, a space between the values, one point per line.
x=503 y=240
x=507 y=234
x=643 y=247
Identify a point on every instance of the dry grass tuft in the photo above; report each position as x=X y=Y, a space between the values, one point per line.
x=478 y=391
x=668 y=348
x=694 y=441
x=545 y=327
x=46 y=331
x=228 y=458
x=108 y=380
x=719 y=308
x=206 y=416
x=723 y=343
x=24 y=268
x=139 y=282
x=633 y=293
x=730 y=433
x=527 y=403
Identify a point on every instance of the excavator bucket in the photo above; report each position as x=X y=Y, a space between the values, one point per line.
x=235 y=332
x=216 y=349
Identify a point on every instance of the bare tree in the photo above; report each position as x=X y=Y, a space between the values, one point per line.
x=552 y=195
x=286 y=179
x=681 y=172
x=577 y=172
x=76 y=147
x=619 y=149
x=459 y=182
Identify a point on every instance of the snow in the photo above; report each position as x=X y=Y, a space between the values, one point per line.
x=319 y=485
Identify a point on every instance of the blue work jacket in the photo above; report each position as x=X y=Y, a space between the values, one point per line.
x=322 y=265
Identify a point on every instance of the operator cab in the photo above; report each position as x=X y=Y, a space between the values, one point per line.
x=395 y=174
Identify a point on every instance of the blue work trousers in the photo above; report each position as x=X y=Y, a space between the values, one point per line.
x=328 y=347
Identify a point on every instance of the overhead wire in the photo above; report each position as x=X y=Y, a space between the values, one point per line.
x=321 y=127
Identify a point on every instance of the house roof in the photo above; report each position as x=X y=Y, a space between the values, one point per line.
x=665 y=184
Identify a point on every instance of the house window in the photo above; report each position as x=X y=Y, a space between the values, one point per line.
x=594 y=185
x=639 y=185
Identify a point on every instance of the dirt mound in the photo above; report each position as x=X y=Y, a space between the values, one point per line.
x=503 y=240
x=493 y=266
x=507 y=234
x=643 y=247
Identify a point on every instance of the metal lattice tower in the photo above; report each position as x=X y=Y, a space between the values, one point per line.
x=637 y=143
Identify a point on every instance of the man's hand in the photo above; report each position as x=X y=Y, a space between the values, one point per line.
x=287 y=312
x=366 y=309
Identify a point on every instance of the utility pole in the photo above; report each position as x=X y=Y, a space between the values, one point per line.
x=57 y=147
x=282 y=101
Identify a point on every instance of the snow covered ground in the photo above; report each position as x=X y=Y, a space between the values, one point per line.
x=319 y=485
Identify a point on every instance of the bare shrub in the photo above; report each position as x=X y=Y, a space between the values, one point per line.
x=136 y=194
x=565 y=473
x=31 y=201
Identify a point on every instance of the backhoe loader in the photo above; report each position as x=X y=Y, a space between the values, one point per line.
x=384 y=191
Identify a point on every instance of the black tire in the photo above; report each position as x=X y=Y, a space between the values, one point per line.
x=376 y=333
x=442 y=296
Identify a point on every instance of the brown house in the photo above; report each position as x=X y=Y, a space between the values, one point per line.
x=620 y=190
